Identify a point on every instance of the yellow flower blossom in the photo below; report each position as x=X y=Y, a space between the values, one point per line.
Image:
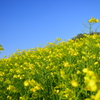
x=78 y=72
x=95 y=63
x=62 y=73
x=18 y=49
x=66 y=64
x=58 y=39
x=16 y=64
x=9 y=97
x=74 y=83
x=97 y=96
x=90 y=73
x=83 y=57
x=96 y=21
x=93 y=20
x=35 y=89
x=26 y=83
x=11 y=88
x=5 y=56
x=66 y=95
x=1 y=73
x=85 y=70
x=22 y=98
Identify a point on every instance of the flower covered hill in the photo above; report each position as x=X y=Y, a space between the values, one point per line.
x=67 y=70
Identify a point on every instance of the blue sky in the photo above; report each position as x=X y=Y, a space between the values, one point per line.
x=26 y=24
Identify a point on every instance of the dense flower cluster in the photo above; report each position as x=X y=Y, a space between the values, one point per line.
x=66 y=70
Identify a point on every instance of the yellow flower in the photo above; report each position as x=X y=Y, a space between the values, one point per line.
x=95 y=63
x=51 y=43
x=58 y=39
x=35 y=88
x=92 y=85
x=96 y=21
x=66 y=95
x=16 y=64
x=97 y=96
x=85 y=70
x=47 y=67
x=78 y=72
x=11 y=88
x=18 y=49
x=66 y=64
x=15 y=76
x=1 y=73
x=56 y=89
x=85 y=34
x=62 y=73
x=93 y=20
x=83 y=57
x=40 y=44
x=74 y=83
x=22 y=98
x=5 y=56
x=90 y=73
x=9 y=97
x=26 y=83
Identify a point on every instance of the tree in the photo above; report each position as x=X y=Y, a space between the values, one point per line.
x=1 y=48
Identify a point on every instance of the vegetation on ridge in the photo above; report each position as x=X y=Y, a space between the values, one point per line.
x=83 y=35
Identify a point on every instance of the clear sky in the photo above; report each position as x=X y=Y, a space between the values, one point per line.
x=26 y=24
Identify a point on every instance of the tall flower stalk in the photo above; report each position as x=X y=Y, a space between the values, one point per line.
x=91 y=22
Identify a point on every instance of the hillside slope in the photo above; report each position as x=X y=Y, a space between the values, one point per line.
x=63 y=71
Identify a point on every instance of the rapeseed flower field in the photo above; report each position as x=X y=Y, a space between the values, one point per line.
x=64 y=70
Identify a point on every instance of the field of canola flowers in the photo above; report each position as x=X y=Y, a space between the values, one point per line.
x=59 y=71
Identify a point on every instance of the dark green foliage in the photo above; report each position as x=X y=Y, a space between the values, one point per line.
x=78 y=36
x=1 y=48
x=98 y=33
x=82 y=35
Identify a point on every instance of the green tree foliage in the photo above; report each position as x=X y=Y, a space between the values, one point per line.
x=83 y=36
x=1 y=48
